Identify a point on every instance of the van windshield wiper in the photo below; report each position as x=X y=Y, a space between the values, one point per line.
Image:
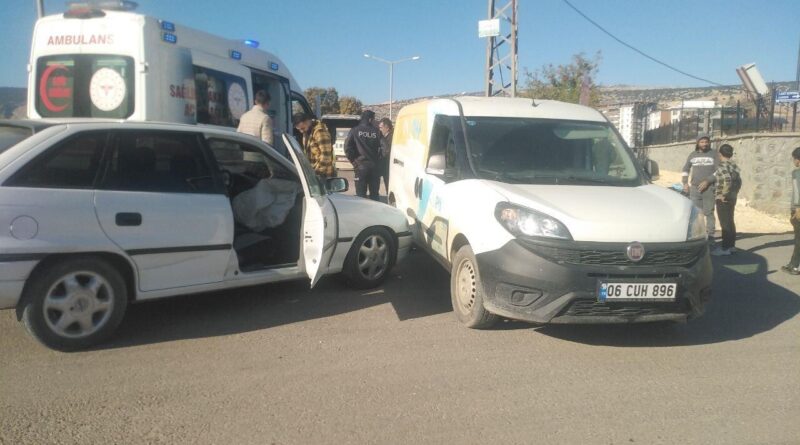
x=566 y=179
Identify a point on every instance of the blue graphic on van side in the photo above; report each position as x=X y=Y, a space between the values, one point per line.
x=416 y=128
x=424 y=197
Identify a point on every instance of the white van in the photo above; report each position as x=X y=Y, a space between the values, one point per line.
x=541 y=213
x=101 y=59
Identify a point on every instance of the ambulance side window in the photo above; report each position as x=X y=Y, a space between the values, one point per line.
x=221 y=98
x=278 y=104
x=300 y=105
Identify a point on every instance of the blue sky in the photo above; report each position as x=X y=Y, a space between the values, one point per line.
x=323 y=41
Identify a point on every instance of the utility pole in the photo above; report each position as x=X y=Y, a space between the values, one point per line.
x=391 y=64
x=501 y=49
x=796 y=88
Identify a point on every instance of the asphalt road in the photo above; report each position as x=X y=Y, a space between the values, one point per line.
x=282 y=364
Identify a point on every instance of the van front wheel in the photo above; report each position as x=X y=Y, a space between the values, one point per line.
x=466 y=291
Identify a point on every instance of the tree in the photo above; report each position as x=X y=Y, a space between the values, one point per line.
x=350 y=105
x=563 y=82
x=329 y=99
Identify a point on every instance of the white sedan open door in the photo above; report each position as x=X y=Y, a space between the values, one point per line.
x=319 y=217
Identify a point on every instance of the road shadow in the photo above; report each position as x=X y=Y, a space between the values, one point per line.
x=743 y=236
x=262 y=307
x=744 y=303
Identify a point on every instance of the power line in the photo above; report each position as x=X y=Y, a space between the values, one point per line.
x=637 y=50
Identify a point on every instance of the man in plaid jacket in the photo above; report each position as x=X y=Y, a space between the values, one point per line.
x=317 y=144
x=726 y=174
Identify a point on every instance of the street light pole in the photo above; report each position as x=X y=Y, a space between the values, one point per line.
x=391 y=75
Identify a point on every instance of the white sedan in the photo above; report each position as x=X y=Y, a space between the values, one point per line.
x=94 y=215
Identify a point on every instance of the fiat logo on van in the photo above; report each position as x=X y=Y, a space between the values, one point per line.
x=635 y=252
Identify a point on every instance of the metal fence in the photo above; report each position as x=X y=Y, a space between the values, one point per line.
x=720 y=122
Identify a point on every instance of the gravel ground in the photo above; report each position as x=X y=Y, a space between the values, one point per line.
x=748 y=220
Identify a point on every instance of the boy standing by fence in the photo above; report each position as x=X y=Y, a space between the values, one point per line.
x=729 y=182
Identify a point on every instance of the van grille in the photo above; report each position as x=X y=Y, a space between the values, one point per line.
x=592 y=308
x=675 y=256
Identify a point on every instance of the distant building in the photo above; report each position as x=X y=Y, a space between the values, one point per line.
x=630 y=119
x=658 y=119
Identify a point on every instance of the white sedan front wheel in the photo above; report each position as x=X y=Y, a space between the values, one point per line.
x=370 y=259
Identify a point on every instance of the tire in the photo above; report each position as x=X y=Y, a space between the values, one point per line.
x=74 y=303
x=371 y=257
x=466 y=291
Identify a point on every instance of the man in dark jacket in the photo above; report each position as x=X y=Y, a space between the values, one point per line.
x=363 y=149
x=701 y=165
x=387 y=132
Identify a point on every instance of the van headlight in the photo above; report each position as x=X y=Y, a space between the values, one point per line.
x=530 y=223
x=697 y=226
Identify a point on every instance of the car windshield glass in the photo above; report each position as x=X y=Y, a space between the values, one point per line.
x=12 y=135
x=548 y=151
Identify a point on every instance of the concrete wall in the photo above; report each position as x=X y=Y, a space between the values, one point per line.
x=764 y=158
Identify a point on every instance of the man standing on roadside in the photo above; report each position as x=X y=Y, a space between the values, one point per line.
x=363 y=148
x=317 y=144
x=729 y=181
x=257 y=122
x=387 y=132
x=794 y=264
x=701 y=165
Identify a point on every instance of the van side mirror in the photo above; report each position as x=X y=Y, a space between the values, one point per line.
x=651 y=168
x=336 y=185
x=437 y=166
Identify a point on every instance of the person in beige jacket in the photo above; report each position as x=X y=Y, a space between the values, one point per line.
x=257 y=122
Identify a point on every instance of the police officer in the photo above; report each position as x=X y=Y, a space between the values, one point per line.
x=363 y=150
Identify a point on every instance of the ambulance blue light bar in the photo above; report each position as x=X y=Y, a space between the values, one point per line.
x=167 y=26
x=236 y=55
x=169 y=37
x=251 y=43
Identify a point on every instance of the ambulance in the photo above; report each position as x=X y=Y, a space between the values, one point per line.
x=541 y=213
x=101 y=59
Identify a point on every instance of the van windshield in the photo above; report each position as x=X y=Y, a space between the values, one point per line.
x=549 y=151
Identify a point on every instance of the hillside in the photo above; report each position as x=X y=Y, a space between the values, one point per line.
x=623 y=94
x=12 y=102
x=725 y=95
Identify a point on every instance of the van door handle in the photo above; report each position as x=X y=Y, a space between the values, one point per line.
x=129 y=219
x=416 y=188
x=398 y=162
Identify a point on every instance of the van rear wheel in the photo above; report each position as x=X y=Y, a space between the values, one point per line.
x=466 y=291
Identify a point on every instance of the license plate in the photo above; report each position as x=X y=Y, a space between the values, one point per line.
x=637 y=291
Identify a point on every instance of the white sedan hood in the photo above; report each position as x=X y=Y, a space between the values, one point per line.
x=607 y=214
x=355 y=214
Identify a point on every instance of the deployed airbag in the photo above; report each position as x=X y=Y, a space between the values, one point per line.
x=266 y=205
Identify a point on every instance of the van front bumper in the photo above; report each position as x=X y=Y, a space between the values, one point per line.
x=13 y=275
x=557 y=282
x=404 y=242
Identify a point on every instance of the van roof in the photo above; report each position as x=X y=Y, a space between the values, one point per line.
x=191 y=38
x=524 y=107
